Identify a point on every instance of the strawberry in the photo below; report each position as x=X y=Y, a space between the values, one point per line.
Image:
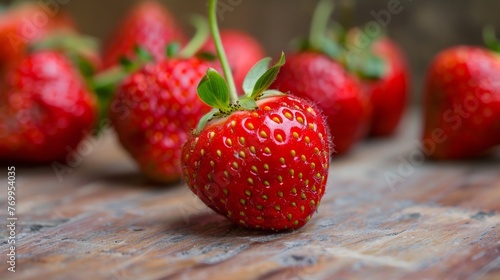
x=265 y=168
x=156 y=106
x=388 y=93
x=243 y=51
x=24 y=24
x=45 y=109
x=316 y=73
x=153 y=112
x=148 y=25
x=381 y=66
x=262 y=159
x=462 y=103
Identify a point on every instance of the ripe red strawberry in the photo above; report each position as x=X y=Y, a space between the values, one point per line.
x=153 y=112
x=389 y=93
x=242 y=51
x=262 y=159
x=24 y=24
x=317 y=77
x=462 y=103
x=45 y=109
x=265 y=168
x=156 y=105
x=148 y=25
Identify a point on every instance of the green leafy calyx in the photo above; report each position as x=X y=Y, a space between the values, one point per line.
x=366 y=65
x=353 y=49
x=261 y=79
x=214 y=91
x=78 y=48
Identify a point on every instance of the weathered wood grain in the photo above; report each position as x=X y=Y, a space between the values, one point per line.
x=103 y=221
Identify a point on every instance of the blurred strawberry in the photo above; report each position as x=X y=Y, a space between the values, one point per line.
x=45 y=109
x=148 y=25
x=154 y=111
x=24 y=24
x=390 y=93
x=462 y=103
x=382 y=68
x=242 y=50
x=156 y=106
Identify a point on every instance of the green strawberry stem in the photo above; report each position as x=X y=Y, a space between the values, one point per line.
x=78 y=48
x=319 y=24
x=105 y=83
x=199 y=39
x=214 y=28
x=338 y=44
x=109 y=77
x=113 y=76
x=319 y=39
x=67 y=40
x=490 y=39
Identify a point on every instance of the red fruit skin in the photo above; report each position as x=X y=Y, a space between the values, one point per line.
x=242 y=51
x=20 y=26
x=155 y=110
x=339 y=95
x=45 y=111
x=462 y=103
x=148 y=25
x=264 y=169
x=388 y=95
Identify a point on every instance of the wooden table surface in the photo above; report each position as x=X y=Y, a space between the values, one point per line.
x=103 y=221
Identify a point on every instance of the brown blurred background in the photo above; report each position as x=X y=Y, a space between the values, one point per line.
x=422 y=28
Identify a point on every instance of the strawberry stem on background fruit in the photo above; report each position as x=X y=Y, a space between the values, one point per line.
x=318 y=40
x=332 y=40
x=214 y=28
x=104 y=84
x=114 y=75
x=79 y=48
x=490 y=39
x=319 y=23
x=362 y=60
x=199 y=38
